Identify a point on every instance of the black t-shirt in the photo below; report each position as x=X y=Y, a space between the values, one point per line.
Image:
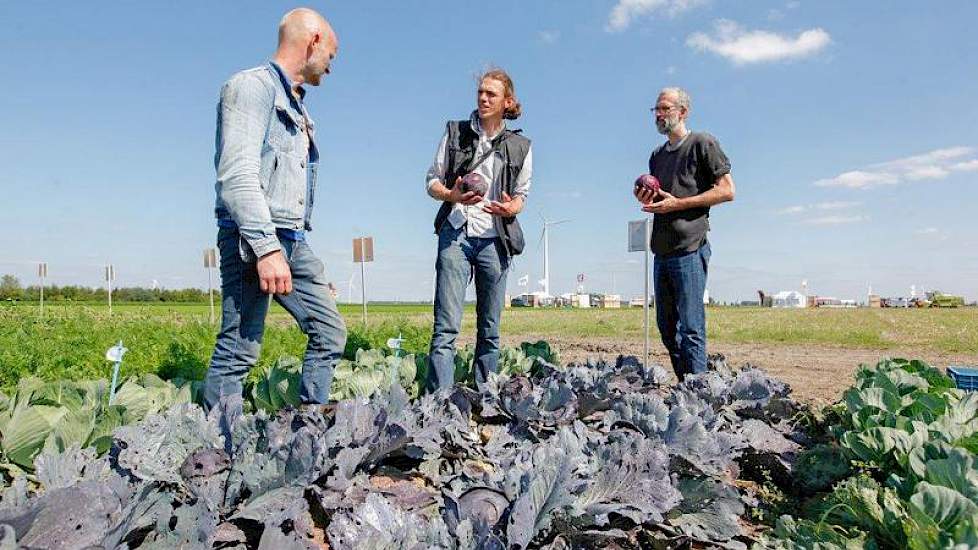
x=690 y=169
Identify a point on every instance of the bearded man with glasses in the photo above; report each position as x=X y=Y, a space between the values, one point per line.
x=694 y=174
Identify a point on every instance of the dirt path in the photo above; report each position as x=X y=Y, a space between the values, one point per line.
x=815 y=373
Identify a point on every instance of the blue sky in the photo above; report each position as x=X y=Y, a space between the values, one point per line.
x=851 y=128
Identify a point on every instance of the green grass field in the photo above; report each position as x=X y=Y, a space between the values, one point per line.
x=176 y=339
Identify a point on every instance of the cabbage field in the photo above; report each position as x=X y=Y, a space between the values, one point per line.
x=546 y=455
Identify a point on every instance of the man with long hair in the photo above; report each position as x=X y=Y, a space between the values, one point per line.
x=481 y=175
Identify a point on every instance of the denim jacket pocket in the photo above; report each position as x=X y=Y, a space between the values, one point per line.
x=283 y=131
x=287 y=188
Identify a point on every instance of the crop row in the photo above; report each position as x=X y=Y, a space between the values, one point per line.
x=544 y=455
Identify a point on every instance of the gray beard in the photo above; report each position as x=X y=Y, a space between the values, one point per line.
x=667 y=125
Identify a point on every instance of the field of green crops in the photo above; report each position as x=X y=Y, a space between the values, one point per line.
x=176 y=340
x=548 y=454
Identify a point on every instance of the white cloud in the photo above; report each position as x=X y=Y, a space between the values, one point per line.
x=626 y=11
x=967 y=166
x=932 y=165
x=792 y=210
x=933 y=158
x=858 y=179
x=834 y=220
x=932 y=233
x=548 y=36
x=821 y=206
x=742 y=46
x=927 y=173
x=836 y=205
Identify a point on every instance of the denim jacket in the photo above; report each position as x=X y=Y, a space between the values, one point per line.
x=266 y=175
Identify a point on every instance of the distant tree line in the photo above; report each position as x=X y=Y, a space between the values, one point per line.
x=11 y=289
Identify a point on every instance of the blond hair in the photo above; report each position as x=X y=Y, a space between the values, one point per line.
x=513 y=112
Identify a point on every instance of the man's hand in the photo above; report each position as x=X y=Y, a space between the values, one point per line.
x=643 y=195
x=507 y=208
x=274 y=274
x=455 y=194
x=663 y=203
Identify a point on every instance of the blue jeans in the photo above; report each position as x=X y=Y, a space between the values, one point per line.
x=243 y=310
x=459 y=257
x=680 y=282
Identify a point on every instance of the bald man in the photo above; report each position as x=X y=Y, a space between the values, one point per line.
x=266 y=164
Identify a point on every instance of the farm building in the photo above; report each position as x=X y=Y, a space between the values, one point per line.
x=789 y=298
x=580 y=300
x=606 y=300
x=829 y=301
x=574 y=300
x=525 y=300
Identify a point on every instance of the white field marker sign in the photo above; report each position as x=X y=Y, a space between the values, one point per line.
x=115 y=354
x=395 y=344
x=639 y=240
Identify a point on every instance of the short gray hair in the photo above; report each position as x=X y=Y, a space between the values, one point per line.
x=682 y=97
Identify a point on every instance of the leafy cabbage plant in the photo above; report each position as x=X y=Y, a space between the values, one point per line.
x=54 y=416
x=542 y=456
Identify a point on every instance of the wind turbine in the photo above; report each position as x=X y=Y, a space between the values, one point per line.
x=546 y=252
x=349 y=286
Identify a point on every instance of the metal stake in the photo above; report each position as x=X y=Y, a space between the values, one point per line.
x=42 y=272
x=363 y=252
x=363 y=291
x=210 y=263
x=210 y=292
x=648 y=253
x=109 y=277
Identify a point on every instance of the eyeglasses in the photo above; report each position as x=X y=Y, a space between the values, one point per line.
x=664 y=110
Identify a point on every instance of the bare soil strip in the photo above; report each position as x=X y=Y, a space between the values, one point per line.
x=817 y=374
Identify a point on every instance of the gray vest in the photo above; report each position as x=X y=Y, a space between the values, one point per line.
x=459 y=154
